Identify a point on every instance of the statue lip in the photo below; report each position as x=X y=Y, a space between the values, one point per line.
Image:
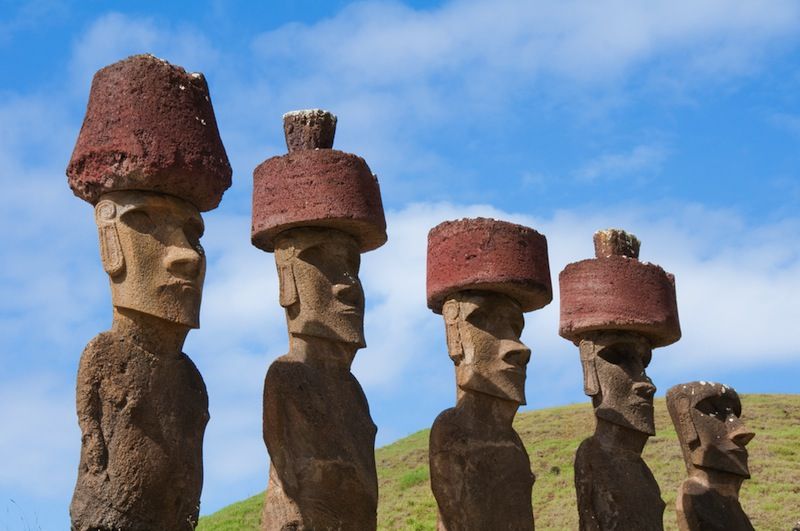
x=182 y=283
x=738 y=451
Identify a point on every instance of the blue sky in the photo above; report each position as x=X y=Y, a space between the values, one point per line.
x=676 y=120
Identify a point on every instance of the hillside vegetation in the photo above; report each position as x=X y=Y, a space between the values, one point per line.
x=551 y=436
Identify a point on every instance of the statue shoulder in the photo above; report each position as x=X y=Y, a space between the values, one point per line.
x=692 y=487
x=446 y=425
x=103 y=346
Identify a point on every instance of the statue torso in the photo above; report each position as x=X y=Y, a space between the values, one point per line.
x=143 y=417
x=703 y=509
x=616 y=490
x=321 y=441
x=481 y=479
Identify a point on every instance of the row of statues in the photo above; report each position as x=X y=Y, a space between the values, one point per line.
x=150 y=160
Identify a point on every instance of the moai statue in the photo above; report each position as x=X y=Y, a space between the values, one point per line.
x=149 y=158
x=317 y=209
x=482 y=275
x=617 y=309
x=713 y=439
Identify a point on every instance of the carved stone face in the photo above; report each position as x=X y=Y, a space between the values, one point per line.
x=320 y=289
x=615 y=377
x=717 y=438
x=483 y=330
x=150 y=247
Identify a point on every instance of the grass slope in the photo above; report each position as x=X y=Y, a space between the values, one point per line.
x=551 y=436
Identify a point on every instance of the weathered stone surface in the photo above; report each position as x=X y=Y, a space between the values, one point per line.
x=615 y=242
x=617 y=309
x=616 y=489
x=309 y=129
x=480 y=472
x=142 y=416
x=482 y=275
x=317 y=209
x=321 y=442
x=317 y=426
x=317 y=188
x=489 y=255
x=142 y=405
x=618 y=293
x=150 y=126
x=713 y=441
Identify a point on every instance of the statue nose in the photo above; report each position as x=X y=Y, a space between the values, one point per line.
x=183 y=262
x=515 y=353
x=350 y=293
x=644 y=389
x=741 y=435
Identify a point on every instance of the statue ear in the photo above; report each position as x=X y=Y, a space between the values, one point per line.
x=286 y=284
x=451 y=312
x=684 y=408
x=105 y=214
x=591 y=385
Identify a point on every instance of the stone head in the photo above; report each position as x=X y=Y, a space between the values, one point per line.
x=707 y=419
x=483 y=339
x=150 y=248
x=319 y=284
x=614 y=377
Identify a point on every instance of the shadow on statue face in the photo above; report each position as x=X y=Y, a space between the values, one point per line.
x=626 y=392
x=320 y=288
x=489 y=356
x=722 y=435
x=150 y=247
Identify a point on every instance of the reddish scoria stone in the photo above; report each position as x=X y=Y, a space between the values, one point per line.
x=309 y=129
x=317 y=188
x=490 y=255
x=618 y=293
x=150 y=126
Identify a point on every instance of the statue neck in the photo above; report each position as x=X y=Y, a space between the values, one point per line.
x=153 y=334
x=725 y=483
x=321 y=352
x=486 y=409
x=619 y=437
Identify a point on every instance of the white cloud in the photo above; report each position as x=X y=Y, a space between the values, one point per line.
x=115 y=36
x=641 y=161
x=387 y=43
x=398 y=77
x=736 y=293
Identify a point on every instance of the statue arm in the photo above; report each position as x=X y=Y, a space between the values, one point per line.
x=448 y=476
x=684 y=509
x=585 y=491
x=94 y=453
x=279 y=433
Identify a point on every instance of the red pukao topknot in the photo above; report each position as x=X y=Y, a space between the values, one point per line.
x=150 y=126
x=489 y=255
x=315 y=186
x=615 y=291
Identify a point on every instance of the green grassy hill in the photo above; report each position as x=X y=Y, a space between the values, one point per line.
x=771 y=498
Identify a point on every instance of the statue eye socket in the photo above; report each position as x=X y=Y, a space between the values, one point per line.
x=193 y=232
x=614 y=355
x=139 y=221
x=710 y=408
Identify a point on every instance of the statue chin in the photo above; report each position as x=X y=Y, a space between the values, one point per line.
x=639 y=419
x=732 y=461
x=496 y=386
x=351 y=335
x=176 y=314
